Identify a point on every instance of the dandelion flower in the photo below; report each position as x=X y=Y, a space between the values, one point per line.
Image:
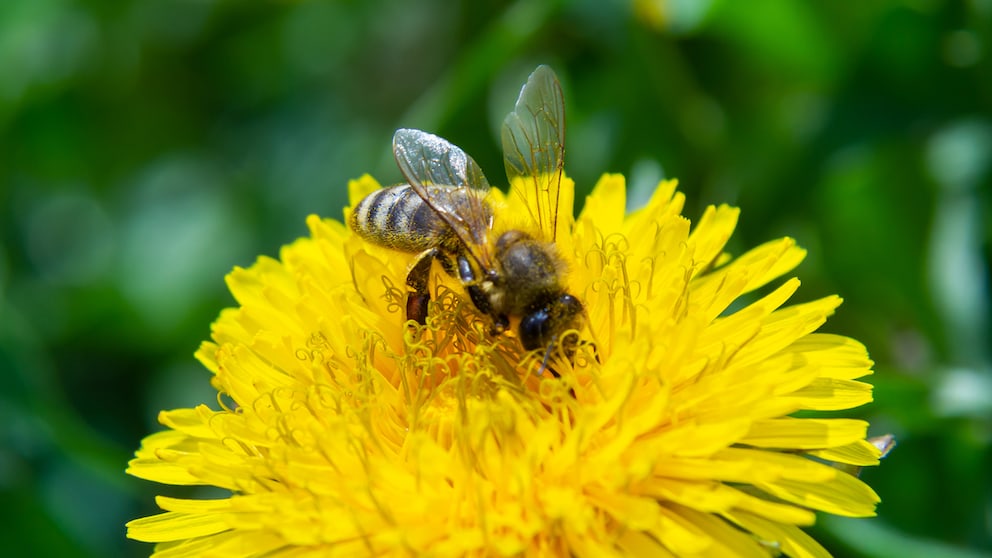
x=343 y=430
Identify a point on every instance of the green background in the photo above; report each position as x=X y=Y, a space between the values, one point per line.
x=148 y=147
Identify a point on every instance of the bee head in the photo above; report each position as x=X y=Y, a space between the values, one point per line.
x=545 y=324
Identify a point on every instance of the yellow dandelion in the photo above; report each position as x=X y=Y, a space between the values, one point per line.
x=344 y=429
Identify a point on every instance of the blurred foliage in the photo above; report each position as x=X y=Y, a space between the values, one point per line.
x=148 y=147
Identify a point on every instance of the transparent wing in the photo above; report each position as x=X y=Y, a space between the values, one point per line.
x=451 y=183
x=534 y=147
x=427 y=159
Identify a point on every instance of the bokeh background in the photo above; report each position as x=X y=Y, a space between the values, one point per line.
x=148 y=147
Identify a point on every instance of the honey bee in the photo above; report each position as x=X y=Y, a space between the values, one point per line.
x=442 y=214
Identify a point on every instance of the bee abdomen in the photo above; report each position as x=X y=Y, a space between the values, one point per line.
x=397 y=217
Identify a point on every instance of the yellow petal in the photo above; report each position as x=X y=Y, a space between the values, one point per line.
x=828 y=394
x=806 y=433
x=780 y=538
x=710 y=236
x=606 y=205
x=861 y=453
x=358 y=189
x=172 y=526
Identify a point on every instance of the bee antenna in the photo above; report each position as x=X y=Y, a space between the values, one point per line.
x=547 y=355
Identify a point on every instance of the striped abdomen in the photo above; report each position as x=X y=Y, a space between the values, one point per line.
x=397 y=217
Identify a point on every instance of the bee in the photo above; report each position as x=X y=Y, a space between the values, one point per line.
x=442 y=214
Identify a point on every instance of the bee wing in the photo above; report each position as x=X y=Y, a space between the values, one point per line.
x=534 y=146
x=429 y=160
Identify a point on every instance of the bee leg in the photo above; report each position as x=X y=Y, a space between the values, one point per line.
x=500 y=322
x=416 y=280
x=479 y=298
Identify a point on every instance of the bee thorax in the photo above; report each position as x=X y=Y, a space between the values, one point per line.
x=529 y=271
x=528 y=258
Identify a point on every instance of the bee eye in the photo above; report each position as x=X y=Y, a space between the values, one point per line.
x=539 y=328
x=534 y=329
